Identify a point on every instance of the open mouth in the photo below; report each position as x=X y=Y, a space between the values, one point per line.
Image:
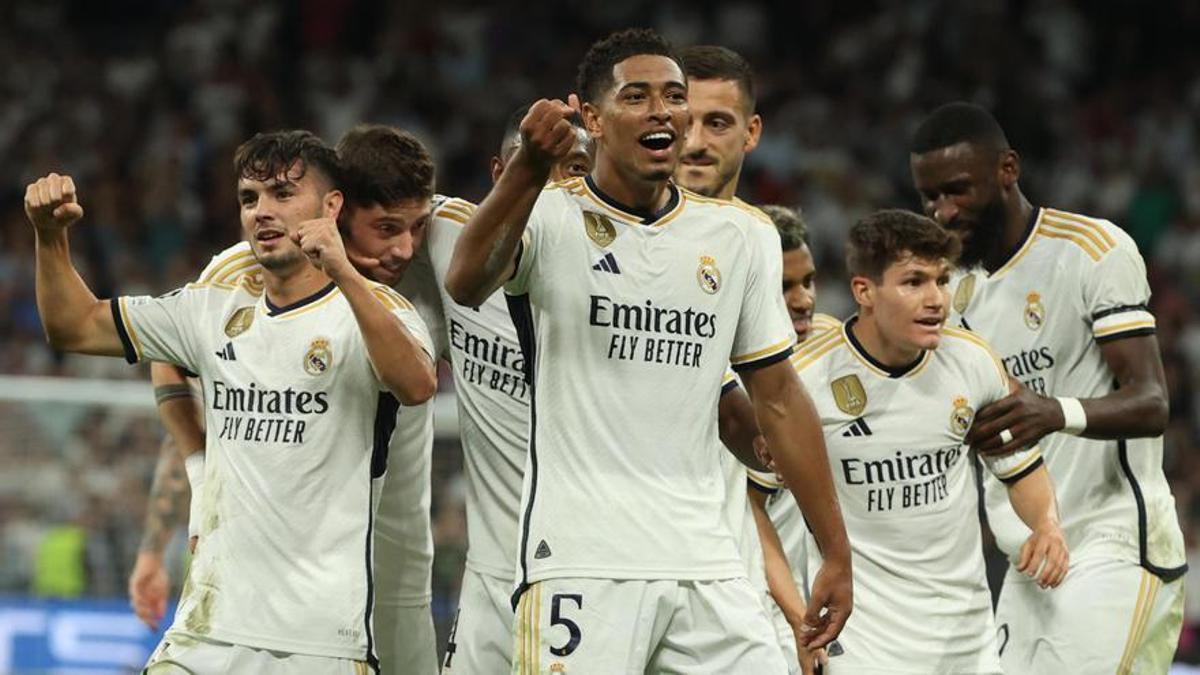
x=657 y=141
x=931 y=321
x=268 y=235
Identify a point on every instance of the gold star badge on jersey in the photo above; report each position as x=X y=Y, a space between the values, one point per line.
x=962 y=294
x=708 y=275
x=960 y=419
x=599 y=228
x=240 y=322
x=1035 y=312
x=849 y=395
x=319 y=357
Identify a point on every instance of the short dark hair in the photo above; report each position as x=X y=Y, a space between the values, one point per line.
x=384 y=165
x=713 y=62
x=959 y=122
x=890 y=235
x=272 y=154
x=792 y=232
x=512 y=130
x=596 y=70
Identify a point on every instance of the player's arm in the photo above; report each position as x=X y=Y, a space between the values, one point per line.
x=74 y=320
x=737 y=427
x=397 y=356
x=165 y=509
x=181 y=417
x=1044 y=555
x=485 y=255
x=790 y=423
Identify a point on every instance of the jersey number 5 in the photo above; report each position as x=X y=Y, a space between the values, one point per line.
x=557 y=619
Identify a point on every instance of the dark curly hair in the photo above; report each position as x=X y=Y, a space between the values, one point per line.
x=384 y=165
x=272 y=154
x=596 y=70
x=889 y=236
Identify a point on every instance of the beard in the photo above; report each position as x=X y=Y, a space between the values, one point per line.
x=983 y=238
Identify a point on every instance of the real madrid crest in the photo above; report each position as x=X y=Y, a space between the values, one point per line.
x=962 y=294
x=708 y=275
x=1035 y=313
x=599 y=228
x=849 y=395
x=240 y=322
x=961 y=417
x=319 y=357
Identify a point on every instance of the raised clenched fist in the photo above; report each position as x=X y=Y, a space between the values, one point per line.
x=51 y=203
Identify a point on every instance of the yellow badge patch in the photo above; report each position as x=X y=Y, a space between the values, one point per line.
x=962 y=294
x=599 y=228
x=849 y=395
x=240 y=322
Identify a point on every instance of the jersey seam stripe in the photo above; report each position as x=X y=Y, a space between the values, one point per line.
x=240 y=255
x=459 y=206
x=1128 y=325
x=1167 y=573
x=453 y=216
x=1122 y=665
x=814 y=357
x=785 y=344
x=1083 y=220
x=1120 y=309
x=1075 y=239
x=235 y=271
x=1155 y=585
x=991 y=353
x=1050 y=221
x=1143 y=619
x=1027 y=467
x=809 y=346
x=1126 y=334
x=132 y=354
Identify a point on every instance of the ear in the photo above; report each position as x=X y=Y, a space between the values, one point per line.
x=497 y=169
x=591 y=119
x=753 y=133
x=863 y=290
x=332 y=203
x=1010 y=168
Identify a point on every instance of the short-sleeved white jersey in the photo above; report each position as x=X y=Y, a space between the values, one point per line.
x=895 y=443
x=493 y=396
x=1075 y=283
x=298 y=426
x=630 y=322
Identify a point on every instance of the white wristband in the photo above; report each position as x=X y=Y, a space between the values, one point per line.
x=1074 y=418
x=194 y=466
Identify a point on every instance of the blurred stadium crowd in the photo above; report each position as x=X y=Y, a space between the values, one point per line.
x=144 y=102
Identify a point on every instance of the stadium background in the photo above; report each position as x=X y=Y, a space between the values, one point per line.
x=144 y=102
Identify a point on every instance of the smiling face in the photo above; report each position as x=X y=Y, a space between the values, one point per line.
x=272 y=210
x=723 y=130
x=391 y=235
x=800 y=289
x=908 y=305
x=640 y=122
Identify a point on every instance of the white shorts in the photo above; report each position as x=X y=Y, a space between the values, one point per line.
x=1107 y=616
x=481 y=640
x=610 y=626
x=179 y=655
x=405 y=640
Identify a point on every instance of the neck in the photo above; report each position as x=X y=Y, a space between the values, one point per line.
x=635 y=193
x=284 y=287
x=1015 y=226
x=890 y=353
x=729 y=190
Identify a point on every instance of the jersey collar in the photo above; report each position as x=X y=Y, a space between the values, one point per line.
x=878 y=366
x=629 y=213
x=1022 y=248
x=274 y=310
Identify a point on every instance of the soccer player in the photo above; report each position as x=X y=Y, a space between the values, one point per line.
x=724 y=129
x=1063 y=297
x=630 y=297
x=388 y=179
x=300 y=376
x=897 y=393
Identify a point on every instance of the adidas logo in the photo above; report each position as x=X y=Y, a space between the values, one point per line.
x=607 y=264
x=227 y=354
x=543 y=550
x=857 y=428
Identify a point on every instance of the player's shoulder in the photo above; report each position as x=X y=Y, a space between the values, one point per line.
x=819 y=348
x=824 y=322
x=390 y=297
x=969 y=349
x=1085 y=236
x=228 y=265
x=734 y=210
x=452 y=209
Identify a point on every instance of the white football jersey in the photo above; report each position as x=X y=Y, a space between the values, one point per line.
x=630 y=322
x=493 y=396
x=298 y=429
x=1074 y=284
x=403 y=537
x=895 y=442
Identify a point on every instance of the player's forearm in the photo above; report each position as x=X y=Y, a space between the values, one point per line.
x=792 y=427
x=167 y=506
x=74 y=320
x=780 y=580
x=397 y=356
x=1032 y=499
x=1138 y=410
x=737 y=427
x=486 y=250
x=177 y=408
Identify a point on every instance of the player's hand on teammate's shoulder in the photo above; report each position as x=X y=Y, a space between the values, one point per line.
x=51 y=202
x=547 y=134
x=1026 y=415
x=1044 y=556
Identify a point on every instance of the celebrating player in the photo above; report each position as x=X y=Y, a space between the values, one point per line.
x=1064 y=298
x=630 y=298
x=897 y=393
x=293 y=372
